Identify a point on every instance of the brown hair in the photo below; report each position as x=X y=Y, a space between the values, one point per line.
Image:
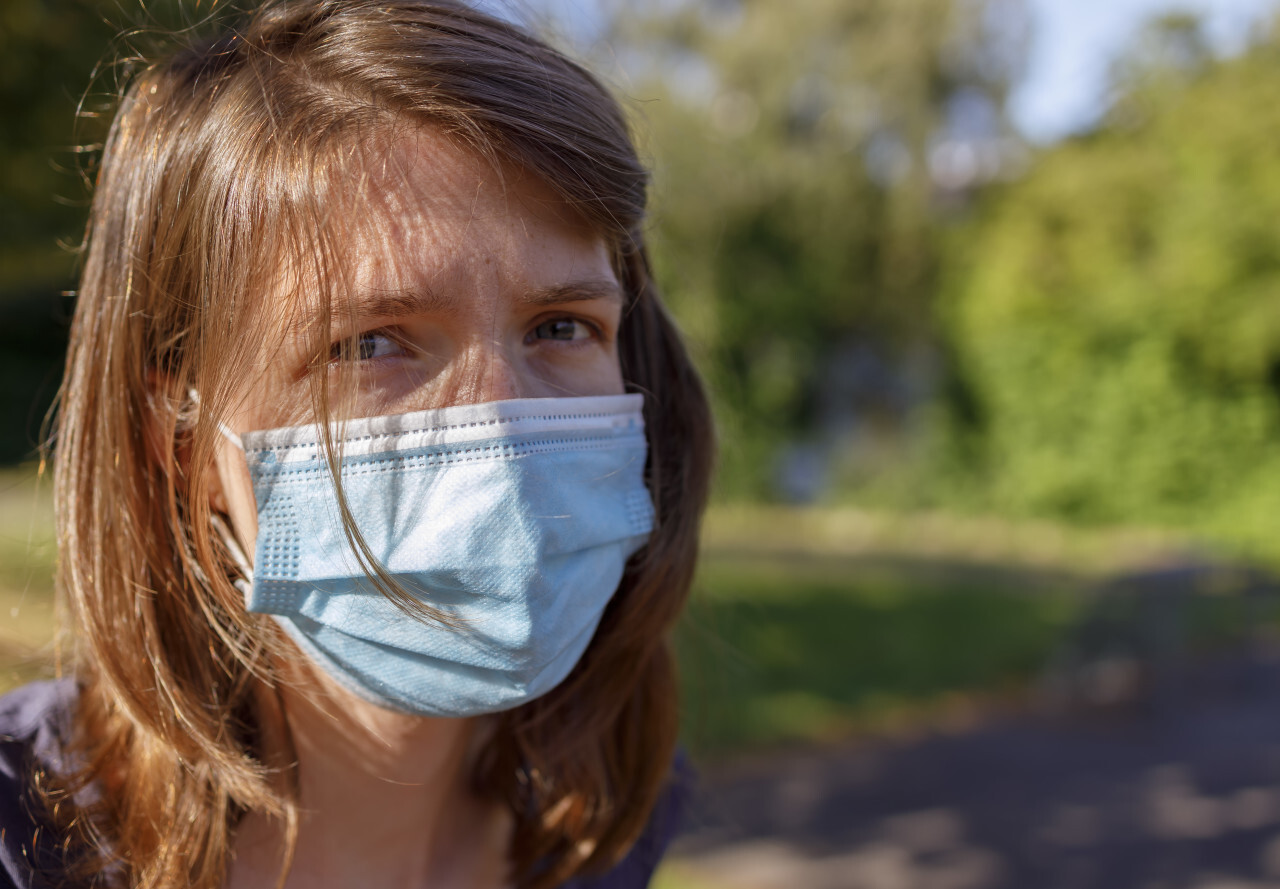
x=222 y=164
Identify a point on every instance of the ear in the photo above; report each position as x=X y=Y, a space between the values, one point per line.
x=168 y=410
x=160 y=423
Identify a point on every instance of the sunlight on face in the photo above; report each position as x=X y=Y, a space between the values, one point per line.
x=469 y=283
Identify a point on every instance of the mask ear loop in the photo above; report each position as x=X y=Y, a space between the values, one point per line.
x=243 y=583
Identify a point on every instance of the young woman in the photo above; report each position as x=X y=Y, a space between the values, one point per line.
x=378 y=470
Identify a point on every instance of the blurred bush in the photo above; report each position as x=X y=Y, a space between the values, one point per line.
x=47 y=51
x=1115 y=315
x=808 y=160
x=59 y=71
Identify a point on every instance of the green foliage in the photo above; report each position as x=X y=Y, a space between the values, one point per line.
x=33 y=333
x=795 y=213
x=50 y=49
x=1119 y=321
x=60 y=68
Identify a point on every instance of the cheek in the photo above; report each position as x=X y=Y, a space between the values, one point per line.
x=274 y=404
x=596 y=374
x=232 y=493
x=607 y=378
x=276 y=391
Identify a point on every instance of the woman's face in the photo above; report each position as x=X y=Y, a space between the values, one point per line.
x=467 y=284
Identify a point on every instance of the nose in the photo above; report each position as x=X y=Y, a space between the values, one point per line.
x=485 y=371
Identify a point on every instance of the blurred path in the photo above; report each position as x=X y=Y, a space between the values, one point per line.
x=1180 y=793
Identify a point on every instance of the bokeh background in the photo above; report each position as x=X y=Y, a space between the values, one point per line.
x=987 y=293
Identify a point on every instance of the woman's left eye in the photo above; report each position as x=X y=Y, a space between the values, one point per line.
x=562 y=329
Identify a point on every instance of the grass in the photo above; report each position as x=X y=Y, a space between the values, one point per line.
x=675 y=874
x=26 y=576
x=776 y=649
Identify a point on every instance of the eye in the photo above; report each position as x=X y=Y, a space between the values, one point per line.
x=367 y=346
x=562 y=329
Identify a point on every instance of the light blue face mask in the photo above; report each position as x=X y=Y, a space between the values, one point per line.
x=515 y=518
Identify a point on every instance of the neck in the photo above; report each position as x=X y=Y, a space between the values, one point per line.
x=384 y=799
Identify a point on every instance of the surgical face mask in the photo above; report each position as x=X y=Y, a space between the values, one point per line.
x=514 y=518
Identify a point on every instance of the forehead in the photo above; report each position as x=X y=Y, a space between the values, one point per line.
x=420 y=210
x=423 y=176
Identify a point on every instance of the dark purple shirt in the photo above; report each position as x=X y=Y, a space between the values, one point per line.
x=35 y=719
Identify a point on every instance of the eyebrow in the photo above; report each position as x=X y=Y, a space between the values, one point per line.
x=576 y=291
x=402 y=303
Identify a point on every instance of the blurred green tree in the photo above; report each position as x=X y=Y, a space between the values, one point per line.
x=49 y=48
x=803 y=181
x=1119 y=321
x=57 y=75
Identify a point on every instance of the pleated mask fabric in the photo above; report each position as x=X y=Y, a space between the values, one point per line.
x=515 y=518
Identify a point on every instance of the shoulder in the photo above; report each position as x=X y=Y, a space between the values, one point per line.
x=637 y=868
x=34 y=721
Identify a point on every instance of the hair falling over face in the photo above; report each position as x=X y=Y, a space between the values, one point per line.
x=230 y=160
